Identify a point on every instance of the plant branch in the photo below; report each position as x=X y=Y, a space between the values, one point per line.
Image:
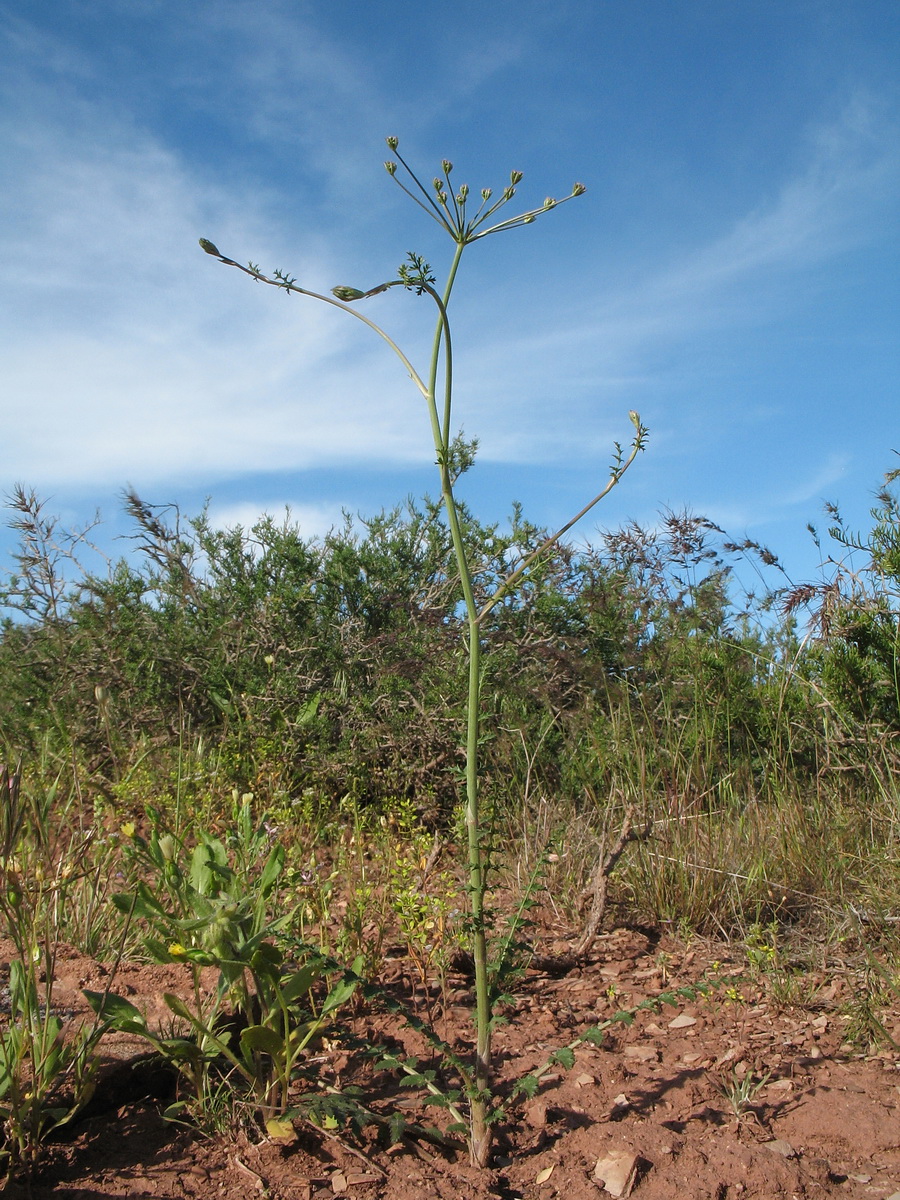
x=288 y=285
x=618 y=471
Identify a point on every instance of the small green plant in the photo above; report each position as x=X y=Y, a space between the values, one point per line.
x=211 y=908
x=47 y=1066
x=873 y=991
x=47 y=1063
x=465 y=221
x=741 y=1091
x=762 y=947
x=426 y=905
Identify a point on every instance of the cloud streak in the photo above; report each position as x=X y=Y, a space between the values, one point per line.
x=132 y=357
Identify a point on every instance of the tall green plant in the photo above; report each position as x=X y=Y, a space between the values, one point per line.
x=449 y=206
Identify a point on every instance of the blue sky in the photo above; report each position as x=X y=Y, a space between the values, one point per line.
x=731 y=272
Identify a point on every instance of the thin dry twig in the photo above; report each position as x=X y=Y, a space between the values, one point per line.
x=606 y=864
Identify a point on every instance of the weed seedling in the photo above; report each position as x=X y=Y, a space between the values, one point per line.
x=741 y=1092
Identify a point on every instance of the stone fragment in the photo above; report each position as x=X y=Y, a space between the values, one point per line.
x=778 y=1146
x=641 y=1053
x=682 y=1021
x=616 y=1171
x=780 y=1085
x=536 y=1113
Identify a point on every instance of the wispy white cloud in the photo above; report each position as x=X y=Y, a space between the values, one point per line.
x=814 y=486
x=312 y=520
x=131 y=356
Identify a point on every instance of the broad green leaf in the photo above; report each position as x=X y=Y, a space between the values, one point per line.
x=179 y=1008
x=265 y=959
x=528 y=1085
x=594 y=1035
x=179 y=1050
x=121 y=1014
x=281 y=1130
x=340 y=994
x=300 y=982
x=260 y=1037
x=140 y=903
x=209 y=866
x=308 y=711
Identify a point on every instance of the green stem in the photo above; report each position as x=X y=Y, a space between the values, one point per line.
x=479 y=1141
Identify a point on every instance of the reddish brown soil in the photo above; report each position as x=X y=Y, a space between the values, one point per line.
x=826 y=1122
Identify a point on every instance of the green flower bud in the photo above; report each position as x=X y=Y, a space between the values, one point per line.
x=447 y=165
x=392 y=143
x=515 y=177
x=528 y=220
x=549 y=202
x=486 y=194
x=209 y=247
x=391 y=168
x=347 y=293
x=578 y=189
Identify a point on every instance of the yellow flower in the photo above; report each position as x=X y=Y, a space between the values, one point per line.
x=128 y=829
x=177 y=950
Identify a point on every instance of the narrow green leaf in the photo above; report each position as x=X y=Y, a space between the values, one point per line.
x=272 y=869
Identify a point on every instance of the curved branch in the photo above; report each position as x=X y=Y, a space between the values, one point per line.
x=288 y=286
x=619 y=470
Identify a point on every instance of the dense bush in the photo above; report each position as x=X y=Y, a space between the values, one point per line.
x=331 y=668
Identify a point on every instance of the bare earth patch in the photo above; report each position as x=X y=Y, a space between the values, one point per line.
x=652 y=1112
